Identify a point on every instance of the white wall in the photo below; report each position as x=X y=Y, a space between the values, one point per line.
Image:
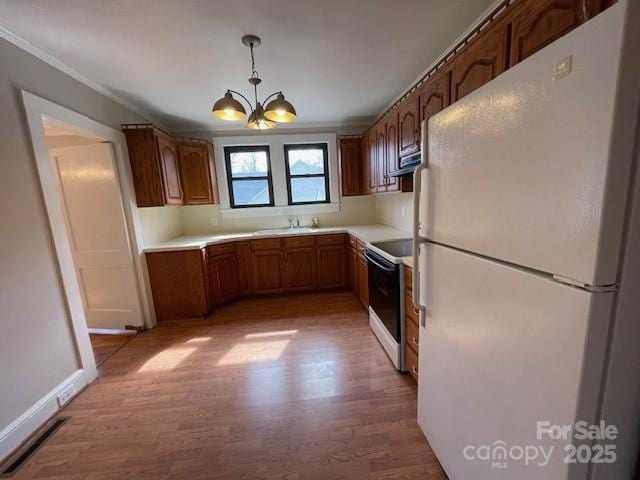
x=36 y=346
x=160 y=223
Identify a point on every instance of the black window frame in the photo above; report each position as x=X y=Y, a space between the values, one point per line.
x=307 y=146
x=230 y=178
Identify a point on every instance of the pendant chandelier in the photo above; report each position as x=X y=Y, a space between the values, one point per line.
x=277 y=110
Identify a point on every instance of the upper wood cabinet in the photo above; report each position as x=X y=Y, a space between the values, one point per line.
x=381 y=156
x=169 y=171
x=372 y=157
x=535 y=24
x=168 y=152
x=391 y=151
x=350 y=156
x=198 y=173
x=435 y=95
x=480 y=62
x=408 y=126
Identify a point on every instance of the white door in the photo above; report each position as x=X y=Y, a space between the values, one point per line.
x=502 y=349
x=91 y=197
x=520 y=169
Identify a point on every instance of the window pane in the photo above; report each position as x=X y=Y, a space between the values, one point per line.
x=251 y=192
x=306 y=161
x=308 y=190
x=249 y=164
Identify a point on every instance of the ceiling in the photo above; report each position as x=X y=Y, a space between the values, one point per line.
x=340 y=62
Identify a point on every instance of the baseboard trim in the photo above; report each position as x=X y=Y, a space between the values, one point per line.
x=15 y=434
x=112 y=331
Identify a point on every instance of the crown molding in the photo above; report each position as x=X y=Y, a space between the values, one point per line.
x=40 y=54
x=236 y=127
x=447 y=51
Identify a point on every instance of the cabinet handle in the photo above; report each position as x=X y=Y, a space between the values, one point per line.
x=414 y=340
x=414 y=370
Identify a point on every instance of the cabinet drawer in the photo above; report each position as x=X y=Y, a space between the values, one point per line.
x=361 y=247
x=265 y=244
x=221 y=249
x=411 y=359
x=333 y=239
x=352 y=241
x=410 y=310
x=408 y=278
x=412 y=334
x=301 y=241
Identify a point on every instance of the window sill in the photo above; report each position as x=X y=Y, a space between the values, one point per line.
x=280 y=210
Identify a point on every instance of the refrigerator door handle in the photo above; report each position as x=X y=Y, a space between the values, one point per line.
x=417 y=239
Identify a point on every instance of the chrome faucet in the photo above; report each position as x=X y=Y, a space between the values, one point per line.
x=294 y=222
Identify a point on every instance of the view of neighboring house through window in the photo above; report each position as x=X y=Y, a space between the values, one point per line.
x=307 y=167
x=249 y=176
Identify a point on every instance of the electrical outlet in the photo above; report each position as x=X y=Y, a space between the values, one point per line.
x=404 y=210
x=214 y=221
x=66 y=395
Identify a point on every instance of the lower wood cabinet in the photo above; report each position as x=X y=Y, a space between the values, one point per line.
x=268 y=271
x=179 y=284
x=362 y=273
x=191 y=283
x=224 y=274
x=301 y=269
x=411 y=328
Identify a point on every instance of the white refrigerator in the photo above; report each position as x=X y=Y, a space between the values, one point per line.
x=519 y=207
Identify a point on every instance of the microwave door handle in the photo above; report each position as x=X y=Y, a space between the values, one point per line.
x=417 y=239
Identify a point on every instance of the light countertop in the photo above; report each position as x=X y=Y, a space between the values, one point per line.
x=365 y=233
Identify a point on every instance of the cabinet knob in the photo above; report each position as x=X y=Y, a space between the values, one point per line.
x=414 y=340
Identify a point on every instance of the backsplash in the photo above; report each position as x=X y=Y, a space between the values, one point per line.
x=163 y=223
x=390 y=208
x=197 y=220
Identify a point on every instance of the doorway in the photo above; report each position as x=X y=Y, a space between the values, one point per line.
x=88 y=192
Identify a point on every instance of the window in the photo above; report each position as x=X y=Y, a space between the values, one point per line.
x=249 y=176
x=307 y=167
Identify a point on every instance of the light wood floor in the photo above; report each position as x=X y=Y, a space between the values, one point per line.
x=289 y=387
x=104 y=345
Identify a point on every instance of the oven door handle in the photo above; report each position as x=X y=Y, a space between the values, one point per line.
x=379 y=265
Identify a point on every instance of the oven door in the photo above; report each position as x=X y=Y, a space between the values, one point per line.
x=384 y=292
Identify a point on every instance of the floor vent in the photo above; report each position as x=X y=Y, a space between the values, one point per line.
x=28 y=450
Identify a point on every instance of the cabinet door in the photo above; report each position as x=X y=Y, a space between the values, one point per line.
x=145 y=166
x=435 y=95
x=224 y=271
x=391 y=151
x=350 y=150
x=195 y=169
x=538 y=23
x=365 y=163
x=480 y=62
x=363 y=280
x=408 y=126
x=168 y=155
x=352 y=263
x=268 y=271
x=243 y=253
x=301 y=273
x=381 y=157
x=373 y=162
x=332 y=272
